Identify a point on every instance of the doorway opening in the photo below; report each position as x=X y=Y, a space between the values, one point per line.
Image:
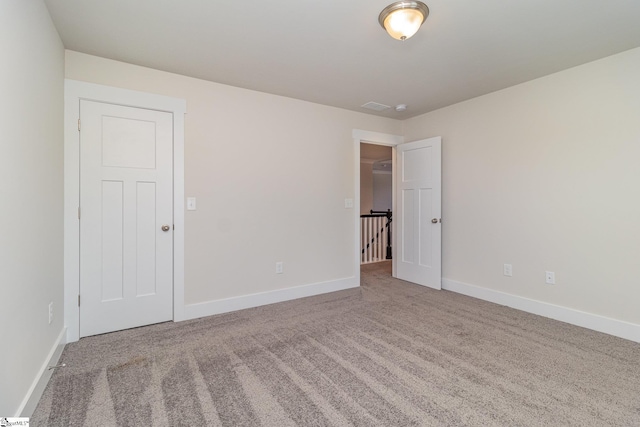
x=385 y=143
x=416 y=199
x=376 y=204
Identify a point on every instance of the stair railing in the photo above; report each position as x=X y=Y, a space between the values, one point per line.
x=375 y=232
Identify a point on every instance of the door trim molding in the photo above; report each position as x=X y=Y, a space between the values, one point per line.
x=376 y=138
x=74 y=91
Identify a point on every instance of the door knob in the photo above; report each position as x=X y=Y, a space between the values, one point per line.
x=165 y=227
x=434 y=220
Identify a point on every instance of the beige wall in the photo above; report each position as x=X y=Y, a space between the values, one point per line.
x=31 y=170
x=366 y=187
x=382 y=191
x=270 y=175
x=545 y=176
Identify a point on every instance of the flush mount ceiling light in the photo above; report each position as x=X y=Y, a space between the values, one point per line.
x=403 y=19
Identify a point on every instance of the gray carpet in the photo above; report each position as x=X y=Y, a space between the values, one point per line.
x=387 y=354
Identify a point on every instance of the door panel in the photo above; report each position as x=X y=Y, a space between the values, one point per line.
x=146 y=238
x=408 y=224
x=125 y=197
x=112 y=240
x=426 y=227
x=128 y=143
x=418 y=181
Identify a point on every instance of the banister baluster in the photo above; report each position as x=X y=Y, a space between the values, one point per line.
x=375 y=236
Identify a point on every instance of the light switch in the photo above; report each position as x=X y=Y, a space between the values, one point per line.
x=348 y=203
x=191 y=203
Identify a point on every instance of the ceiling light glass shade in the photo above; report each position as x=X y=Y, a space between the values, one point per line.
x=403 y=19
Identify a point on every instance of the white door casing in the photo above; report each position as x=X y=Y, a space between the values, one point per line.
x=75 y=92
x=369 y=137
x=418 y=212
x=125 y=199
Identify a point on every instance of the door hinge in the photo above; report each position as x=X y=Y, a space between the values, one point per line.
x=78 y=300
x=78 y=212
x=78 y=125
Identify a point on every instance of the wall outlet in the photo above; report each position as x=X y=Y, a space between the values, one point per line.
x=50 y=312
x=279 y=267
x=550 y=277
x=348 y=203
x=508 y=270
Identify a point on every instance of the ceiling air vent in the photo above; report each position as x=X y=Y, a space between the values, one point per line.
x=375 y=106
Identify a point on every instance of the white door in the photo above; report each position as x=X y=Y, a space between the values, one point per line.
x=418 y=205
x=126 y=223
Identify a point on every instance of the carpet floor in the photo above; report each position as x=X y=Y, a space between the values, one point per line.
x=389 y=353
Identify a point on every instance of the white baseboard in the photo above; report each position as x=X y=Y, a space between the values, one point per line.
x=209 y=308
x=34 y=394
x=618 y=328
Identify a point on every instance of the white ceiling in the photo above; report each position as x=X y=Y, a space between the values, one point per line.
x=335 y=53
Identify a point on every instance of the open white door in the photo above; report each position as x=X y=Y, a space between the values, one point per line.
x=126 y=224
x=418 y=205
